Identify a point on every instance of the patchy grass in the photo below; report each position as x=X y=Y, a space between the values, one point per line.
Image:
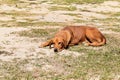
x=108 y=21
x=100 y=63
x=13 y=71
x=29 y=23
x=17 y=13
x=37 y=32
x=9 y=1
x=116 y=14
x=70 y=14
x=24 y=24
x=5 y=53
x=69 y=8
x=114 y=29
x=79 y=21
x=17 y=70
x=77 y=1
x=97 y=63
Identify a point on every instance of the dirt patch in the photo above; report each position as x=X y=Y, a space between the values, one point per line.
x=22 y=47
x=22 y=23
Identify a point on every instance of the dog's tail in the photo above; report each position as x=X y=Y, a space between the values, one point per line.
x=103 y=42
x=99 y=43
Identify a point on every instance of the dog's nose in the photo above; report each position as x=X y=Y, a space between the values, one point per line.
x=55 y=50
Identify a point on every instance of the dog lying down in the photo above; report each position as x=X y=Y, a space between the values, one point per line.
x=73 y=35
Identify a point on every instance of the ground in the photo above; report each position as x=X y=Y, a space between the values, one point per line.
x=25 y=24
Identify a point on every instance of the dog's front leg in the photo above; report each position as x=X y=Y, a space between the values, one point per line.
x=48 y=43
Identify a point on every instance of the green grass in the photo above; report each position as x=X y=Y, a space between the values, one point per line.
x=30 y=23
x=109 y=24
x=13 y=71
x=80 y=21
x=37 y=33
x=71 y=14
x=70 y=8
x=58 y=1
x=17 y=13
x=116 y=14
x=77 y=1
x=103 y=61
x=114 y=29
x=9 y=1
x=25 y=24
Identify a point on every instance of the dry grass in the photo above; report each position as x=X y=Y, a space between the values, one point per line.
x=69 y=8
x=37 y=33
x=97 y=63
x=77 y=1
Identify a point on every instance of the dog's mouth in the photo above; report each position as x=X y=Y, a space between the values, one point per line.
x=57 y=50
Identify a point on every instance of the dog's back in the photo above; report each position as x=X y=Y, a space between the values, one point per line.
x=82 y=33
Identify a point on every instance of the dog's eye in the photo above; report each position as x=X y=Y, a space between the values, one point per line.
x=60 y=43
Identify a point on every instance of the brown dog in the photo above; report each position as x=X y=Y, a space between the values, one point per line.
x=73 y=35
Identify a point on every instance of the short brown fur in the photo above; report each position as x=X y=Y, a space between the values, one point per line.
x=73 y=35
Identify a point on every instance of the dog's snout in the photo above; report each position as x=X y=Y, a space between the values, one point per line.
x=55 y=50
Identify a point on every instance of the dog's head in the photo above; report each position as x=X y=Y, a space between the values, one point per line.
x=61 y=41
x=59 y=44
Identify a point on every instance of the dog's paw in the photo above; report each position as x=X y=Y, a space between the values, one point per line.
x=41 y=46
x=87 y=44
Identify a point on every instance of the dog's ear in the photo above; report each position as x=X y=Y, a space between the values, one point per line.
x=65 y=44
x=67 y=38
x=47 y=43
x=50 y=43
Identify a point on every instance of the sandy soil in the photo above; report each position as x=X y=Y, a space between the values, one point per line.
x=13 y=46
x=16 y=47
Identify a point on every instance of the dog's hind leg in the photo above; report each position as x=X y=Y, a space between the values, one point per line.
x=92 y=44
x=95 y=38
x=98 y=42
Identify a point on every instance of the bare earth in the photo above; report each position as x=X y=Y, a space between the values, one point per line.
x=21 y=47
x=13 y=46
